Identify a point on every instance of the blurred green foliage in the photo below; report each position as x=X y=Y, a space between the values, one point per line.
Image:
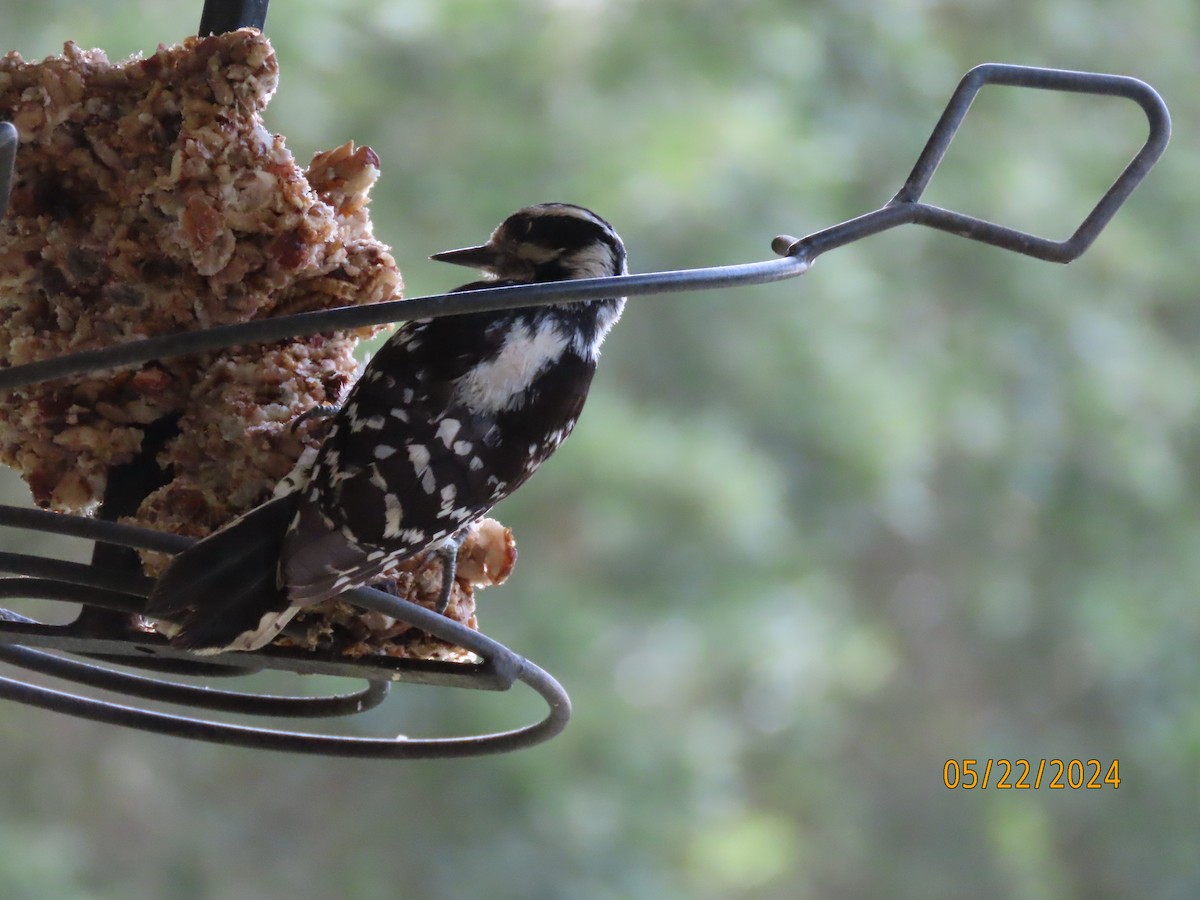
x=930 y=501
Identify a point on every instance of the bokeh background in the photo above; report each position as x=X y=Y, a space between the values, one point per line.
x=930 y=501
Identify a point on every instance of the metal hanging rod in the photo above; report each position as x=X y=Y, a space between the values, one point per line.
x=220 y=16
x=797 y=255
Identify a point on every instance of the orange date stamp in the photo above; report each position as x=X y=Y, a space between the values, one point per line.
x=1023 y=774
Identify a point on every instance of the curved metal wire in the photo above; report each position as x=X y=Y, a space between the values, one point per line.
x=400 y=747
x=59 y=580
x=101 y=678
x=499 y=668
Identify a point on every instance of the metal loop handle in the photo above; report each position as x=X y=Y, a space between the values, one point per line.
x=904 y=208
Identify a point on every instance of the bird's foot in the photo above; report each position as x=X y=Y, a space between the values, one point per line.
x=447 y=552
x=320 y=411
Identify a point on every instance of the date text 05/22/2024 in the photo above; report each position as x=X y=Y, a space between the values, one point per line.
x=1024 y=774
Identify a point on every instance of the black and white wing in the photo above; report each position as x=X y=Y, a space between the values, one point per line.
x=450 y=417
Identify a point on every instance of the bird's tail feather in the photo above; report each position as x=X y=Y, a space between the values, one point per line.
x=223 y=591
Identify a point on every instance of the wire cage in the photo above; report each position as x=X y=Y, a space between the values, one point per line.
x=98 y=650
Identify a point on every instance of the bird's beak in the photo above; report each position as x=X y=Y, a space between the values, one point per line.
x=482 y=257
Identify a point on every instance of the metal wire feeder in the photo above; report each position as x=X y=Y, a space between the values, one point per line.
x=103 y=587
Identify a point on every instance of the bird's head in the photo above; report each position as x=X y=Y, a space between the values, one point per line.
x=546 y=242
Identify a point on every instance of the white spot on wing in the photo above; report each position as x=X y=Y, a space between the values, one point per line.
x=392 y=513
x=418 y=455
x=447 y=429
x=300 y=475
x=412 y=536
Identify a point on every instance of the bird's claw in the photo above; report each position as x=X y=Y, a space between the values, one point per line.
x=320 y=411
x=447 y=552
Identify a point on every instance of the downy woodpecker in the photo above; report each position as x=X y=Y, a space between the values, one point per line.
x=451 y=416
